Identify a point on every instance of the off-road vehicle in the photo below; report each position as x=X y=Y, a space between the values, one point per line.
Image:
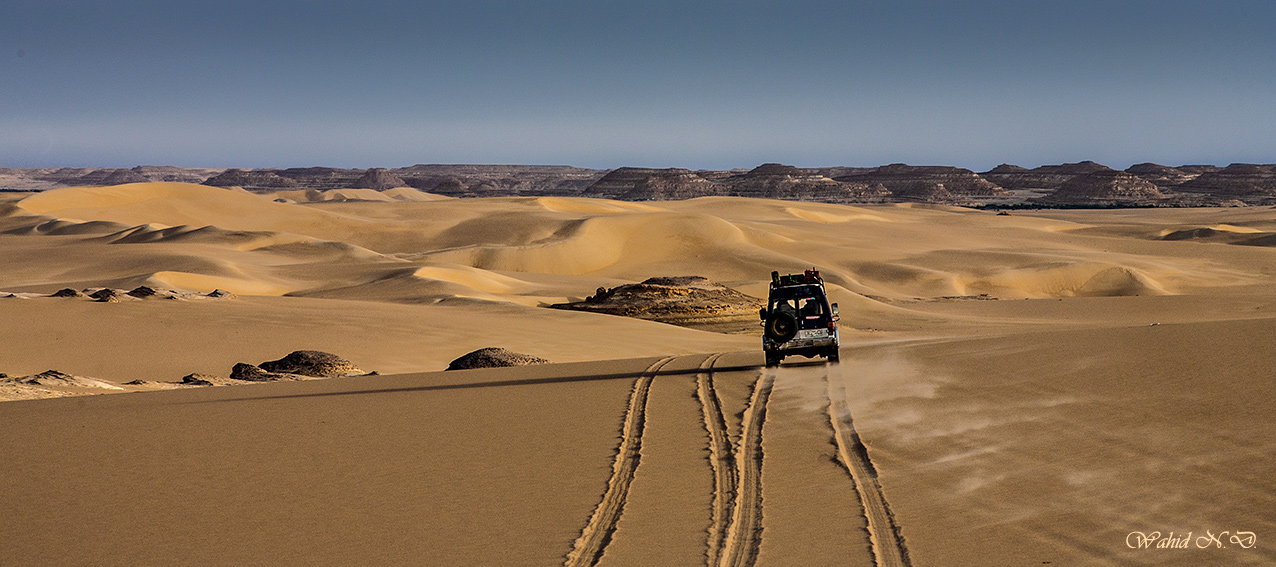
x=798 y=319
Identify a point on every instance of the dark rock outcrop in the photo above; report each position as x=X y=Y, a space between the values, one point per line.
x=493 y=357
x=670 y=300
x=220 y=294
x=142 y=292
x=49 y=378
x=59 y=379
x=106 y=295
x=205 y=380
x=252 y=373
x=311 y=363
x=66 y=292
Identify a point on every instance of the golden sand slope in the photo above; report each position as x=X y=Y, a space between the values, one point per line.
x=1013 y=389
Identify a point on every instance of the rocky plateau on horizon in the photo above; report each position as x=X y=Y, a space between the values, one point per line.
x=1082 y=184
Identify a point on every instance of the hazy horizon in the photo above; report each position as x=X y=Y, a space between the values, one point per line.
x=661 y=84
x=602 y=168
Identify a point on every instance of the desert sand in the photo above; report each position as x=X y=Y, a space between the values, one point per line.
x=1047 y=387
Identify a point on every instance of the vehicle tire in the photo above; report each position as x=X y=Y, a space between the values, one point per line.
x=832 y=355
x=782 y=326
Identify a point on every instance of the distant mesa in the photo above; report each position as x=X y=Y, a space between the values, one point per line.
x=775 y=169
x=379 y=179
x=450 y=187
x=1198 y=169
x=1105 y=187
x=173 y=174
x=1235 y=180
x=493 y=357
x=250 y=179
x=508 y=180
x=779 y=181
x=1006 y=168
x=928 y=183
x=1046 y=177
x=1005 y=185
x=924 y=191
x=1161 y=175
x=112 y=177
x=1078 y=168
x=643 y=184
x=672 y=185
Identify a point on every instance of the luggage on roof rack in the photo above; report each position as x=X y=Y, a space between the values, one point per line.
x=811 y=276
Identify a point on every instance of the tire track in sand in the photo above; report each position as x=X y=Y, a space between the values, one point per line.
x=594 y=537
x=883 y=533
x=740 y=549
x=721 y=458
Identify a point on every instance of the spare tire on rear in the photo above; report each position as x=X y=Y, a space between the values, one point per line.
x=781 y=326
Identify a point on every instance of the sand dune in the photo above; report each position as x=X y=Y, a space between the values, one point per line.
x=1023 y=389
x=892 y=266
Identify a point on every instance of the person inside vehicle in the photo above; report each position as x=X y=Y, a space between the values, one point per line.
x=810 y=307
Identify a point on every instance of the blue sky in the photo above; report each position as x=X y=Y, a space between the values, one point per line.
x=658 y=83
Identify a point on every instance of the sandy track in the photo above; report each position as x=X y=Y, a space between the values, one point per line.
x=744 y=533
x=888 y=545
x=721 y=458
x=597 y=533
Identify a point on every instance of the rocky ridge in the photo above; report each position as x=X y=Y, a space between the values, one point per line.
x=1105 y=187
x=1241 y=180
x=1186 y=185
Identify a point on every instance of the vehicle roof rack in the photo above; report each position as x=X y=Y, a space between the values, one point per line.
x=811 y=276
